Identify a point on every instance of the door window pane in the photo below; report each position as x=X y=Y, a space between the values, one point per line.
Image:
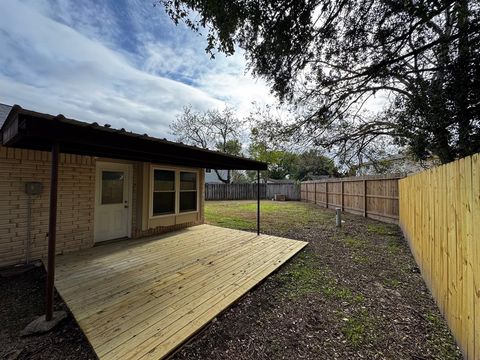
x=163 y=203
x=112 y=187
x=164 y=180
x=188 y=201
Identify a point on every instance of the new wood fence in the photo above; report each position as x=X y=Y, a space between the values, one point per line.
x=440 y=216
x=371 y=196
x=249 y=191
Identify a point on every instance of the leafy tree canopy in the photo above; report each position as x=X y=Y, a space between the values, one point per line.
x=284 y=164
x=311 y=164
x=329 y=57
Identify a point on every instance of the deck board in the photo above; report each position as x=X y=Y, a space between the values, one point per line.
x=141 y=299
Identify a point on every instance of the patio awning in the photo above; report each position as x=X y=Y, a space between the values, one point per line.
x=37 y=131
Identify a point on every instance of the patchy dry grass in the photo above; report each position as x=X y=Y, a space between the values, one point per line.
x=242 y=215
x=358 y=328
x=352 y=293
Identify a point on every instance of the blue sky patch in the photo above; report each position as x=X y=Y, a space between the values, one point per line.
x=119 y=62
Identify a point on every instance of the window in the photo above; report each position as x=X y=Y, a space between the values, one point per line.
x=188 y=191
x=163 y=192
x=174 y=192
x=112 y=187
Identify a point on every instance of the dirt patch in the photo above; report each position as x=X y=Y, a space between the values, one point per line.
x=21 y=301
x=352 y=293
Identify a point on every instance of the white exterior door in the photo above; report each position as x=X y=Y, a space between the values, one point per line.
x=113 y=197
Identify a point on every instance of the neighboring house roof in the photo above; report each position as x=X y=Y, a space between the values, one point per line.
x=32 y=130
x=4 y=111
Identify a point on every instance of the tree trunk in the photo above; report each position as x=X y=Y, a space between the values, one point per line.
x=225 y=181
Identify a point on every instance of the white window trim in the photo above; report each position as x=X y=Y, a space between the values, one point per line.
x=177 y=171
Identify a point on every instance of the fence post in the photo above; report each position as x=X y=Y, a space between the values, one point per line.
x=365 y=198
x=338 y=218
x=326 y=193
x=315 y=187
x=258 y=202
x=341 y=194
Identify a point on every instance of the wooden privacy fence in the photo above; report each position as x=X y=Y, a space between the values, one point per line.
x=249 y=191
x=291 y=191
x=371 y=196
x=440 y=216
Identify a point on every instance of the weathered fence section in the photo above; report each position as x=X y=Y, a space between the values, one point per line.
x=233 y=191
x=249 y=191
x=440 y=216
x=371 y=196
x=290 y=190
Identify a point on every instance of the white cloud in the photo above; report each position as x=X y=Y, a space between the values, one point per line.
x=59 y=63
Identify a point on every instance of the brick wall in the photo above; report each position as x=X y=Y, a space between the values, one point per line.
x=76 y=194
x=76 y=202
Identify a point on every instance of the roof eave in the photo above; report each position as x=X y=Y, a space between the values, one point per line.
x=39 y=131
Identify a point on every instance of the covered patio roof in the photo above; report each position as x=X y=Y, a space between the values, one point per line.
x=38 y=131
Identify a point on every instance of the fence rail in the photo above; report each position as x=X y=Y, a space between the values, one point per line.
x=440 y=216
x=249 y=191
x=371 y=196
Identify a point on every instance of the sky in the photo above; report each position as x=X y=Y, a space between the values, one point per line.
x=121 y=62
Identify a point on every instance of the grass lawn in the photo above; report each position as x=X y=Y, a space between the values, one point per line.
x=352 y=293
x=242 y=215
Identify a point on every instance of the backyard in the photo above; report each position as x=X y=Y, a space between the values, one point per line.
x=353 y=292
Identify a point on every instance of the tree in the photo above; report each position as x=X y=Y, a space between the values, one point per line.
x=347 y=152
x=279 y=162
x=312 y=164
x=282 y=163
x=214 y=129
x=329 y=57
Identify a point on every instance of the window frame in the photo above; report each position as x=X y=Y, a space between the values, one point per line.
x=177 y=171
x=186 y=191
x=174 y=191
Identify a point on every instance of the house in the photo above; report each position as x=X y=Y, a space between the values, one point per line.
x=111 y=184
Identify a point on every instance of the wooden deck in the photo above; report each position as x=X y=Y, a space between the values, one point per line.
x=141 y=299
